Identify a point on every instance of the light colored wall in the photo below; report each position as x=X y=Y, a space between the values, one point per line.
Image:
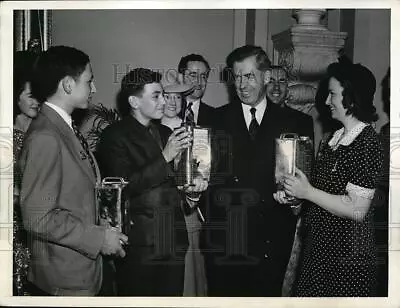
x=372 y=49
x=157 y=39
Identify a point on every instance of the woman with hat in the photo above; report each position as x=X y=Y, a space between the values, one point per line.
x=339 y=257
x=173 y=94
x=195 y=283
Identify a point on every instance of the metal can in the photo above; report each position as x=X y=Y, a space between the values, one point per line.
x=292 y=151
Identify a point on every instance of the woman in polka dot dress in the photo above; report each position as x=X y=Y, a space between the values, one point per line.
x=338 y=257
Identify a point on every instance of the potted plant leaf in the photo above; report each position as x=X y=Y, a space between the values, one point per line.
x=101 y=117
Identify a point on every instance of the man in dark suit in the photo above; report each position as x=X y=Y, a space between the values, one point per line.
x=250 y=236
x=59 y=174
x=194 y=70
x=141 y=150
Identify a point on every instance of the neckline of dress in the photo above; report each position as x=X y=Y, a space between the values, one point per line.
x=340 y=138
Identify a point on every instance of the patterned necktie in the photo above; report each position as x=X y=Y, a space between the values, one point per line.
x=85 y=146
x=189 y=116
x=253 y=124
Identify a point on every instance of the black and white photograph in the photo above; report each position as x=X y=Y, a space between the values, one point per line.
x=172 y=154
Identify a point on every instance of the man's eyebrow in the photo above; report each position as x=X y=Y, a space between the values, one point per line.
x=156 y=92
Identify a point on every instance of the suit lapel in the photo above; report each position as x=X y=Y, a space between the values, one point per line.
x=268 y=121
x=201 y=114
x=239 y=123
x=70 y=140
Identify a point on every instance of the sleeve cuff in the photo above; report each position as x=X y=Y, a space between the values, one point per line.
x=360 y=191
x=92 y=241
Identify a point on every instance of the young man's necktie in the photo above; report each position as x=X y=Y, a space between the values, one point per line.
x=85 y=146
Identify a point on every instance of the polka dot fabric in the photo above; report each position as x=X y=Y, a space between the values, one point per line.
x=339 y=257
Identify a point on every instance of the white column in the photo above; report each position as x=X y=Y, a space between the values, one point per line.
x=27 y=28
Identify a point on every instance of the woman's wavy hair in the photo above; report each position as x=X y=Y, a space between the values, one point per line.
x=22 y=74
x=359 y=86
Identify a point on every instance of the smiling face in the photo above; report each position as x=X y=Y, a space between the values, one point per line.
x=173 y=104
x=196 y=74
x=335 y=99
x=277 y=87
x=28 y=105
x=150 y=104
x=249 y=81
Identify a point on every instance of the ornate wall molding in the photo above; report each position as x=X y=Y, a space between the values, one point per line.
x=305 y=50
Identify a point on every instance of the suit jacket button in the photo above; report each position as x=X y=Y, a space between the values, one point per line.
x=265 y=256
x=236 y=179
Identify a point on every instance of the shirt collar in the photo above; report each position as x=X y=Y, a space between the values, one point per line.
x=260 y=110
x=195 y=104
x=260 y=107
x=339 y=138
x=61 y=112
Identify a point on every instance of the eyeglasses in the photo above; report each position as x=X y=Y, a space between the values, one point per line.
x=245 y=78
x=193 y=75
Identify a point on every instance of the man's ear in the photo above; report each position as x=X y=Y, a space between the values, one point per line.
x=267 y=76
x=67 y=84
x=133 y=102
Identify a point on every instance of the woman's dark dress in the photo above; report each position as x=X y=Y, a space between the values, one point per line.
x=339 y=257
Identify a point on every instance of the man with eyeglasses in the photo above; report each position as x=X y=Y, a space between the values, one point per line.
x=250 y=235
x=194 y=70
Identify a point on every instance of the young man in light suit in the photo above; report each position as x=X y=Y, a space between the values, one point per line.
x=58 y=183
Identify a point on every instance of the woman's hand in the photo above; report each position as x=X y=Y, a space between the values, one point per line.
x=297 y=186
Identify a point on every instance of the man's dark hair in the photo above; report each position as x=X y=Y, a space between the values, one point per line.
x=246 y=51
x=52 y=66
x=183 y=63
x=133 y=83
x=279 y=67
